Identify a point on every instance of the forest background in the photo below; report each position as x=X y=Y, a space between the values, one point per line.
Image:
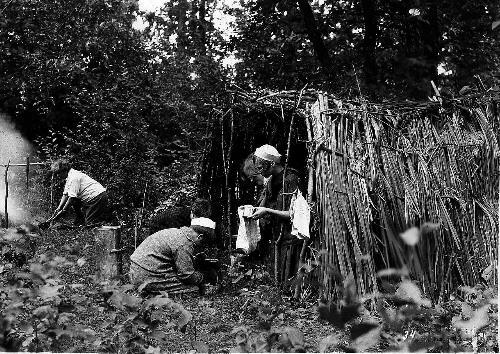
x=133 y=106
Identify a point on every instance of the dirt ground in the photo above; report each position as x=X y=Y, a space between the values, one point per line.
x=215 y=317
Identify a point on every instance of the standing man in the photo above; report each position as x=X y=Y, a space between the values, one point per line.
x=274 y=209
x=80 y=191
x=165 y=260
x=251 y=173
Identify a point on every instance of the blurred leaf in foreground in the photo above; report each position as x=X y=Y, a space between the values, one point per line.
x=407 y=290
x=478 y=320
x=411 y=236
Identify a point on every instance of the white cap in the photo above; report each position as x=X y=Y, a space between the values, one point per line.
x=268 y=153
x=205 y=222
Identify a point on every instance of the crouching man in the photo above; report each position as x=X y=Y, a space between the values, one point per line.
x=164 y=261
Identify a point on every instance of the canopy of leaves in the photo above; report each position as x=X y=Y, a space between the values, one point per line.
x=391 y=49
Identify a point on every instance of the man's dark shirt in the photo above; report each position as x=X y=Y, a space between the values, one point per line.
x=279 y=198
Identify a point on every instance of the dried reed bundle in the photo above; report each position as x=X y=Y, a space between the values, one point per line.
x=435 y=166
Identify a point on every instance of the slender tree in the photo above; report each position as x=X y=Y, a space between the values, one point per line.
x=315 y=35
x=370 y=42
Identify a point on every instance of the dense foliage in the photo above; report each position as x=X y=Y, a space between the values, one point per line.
x=381 y=49
x=79 y=80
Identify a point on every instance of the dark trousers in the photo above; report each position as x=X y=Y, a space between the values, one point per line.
x=95 y=211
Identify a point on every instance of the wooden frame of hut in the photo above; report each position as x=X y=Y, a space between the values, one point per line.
x=373 y=171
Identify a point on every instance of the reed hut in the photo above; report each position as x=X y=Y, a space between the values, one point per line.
x=373 y=171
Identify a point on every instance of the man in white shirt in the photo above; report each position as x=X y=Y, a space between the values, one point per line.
x=80 y=190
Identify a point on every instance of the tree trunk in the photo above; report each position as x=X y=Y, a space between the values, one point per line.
x=315 y=35
x=370 y=42
x=182 y=38
x=422 y=43
x=431 y=40
x=202 y=31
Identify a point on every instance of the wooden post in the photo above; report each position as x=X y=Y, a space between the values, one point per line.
x=136 y=228
x=7 y=195
x=226 y=161
x=27 y=179
x=27 y=173
x=229 y=189
x=495 y=269
x=52 y=191
x=23 y=164
x=108 y=252
x=143 y=205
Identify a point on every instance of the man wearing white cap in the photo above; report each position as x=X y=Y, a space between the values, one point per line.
x=274 y=208
x=165 y=259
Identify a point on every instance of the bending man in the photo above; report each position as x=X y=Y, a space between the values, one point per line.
x=80 y=191
x=165 y=259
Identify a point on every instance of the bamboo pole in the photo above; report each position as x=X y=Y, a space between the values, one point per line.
x=27 y=178
x=52 y=191
x=24 y=164
x=136 y=228
x=7 y=195
x=141 y=213
x=27 y=174
x=228 y=189
x=277 y=243
x=310 y=190
x=225 y=210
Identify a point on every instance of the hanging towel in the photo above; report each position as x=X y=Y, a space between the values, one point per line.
x=248 y=233
x=300 y=214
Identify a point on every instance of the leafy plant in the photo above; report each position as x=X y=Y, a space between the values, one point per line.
x=135 y=321
x=39 y=310
x=405 y=320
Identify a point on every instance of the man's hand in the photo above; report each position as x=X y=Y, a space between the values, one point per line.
x=54 y=215
x=199 y=261
x=57 y=213
x=259 y=212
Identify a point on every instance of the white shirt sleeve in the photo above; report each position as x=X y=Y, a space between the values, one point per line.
x=72 y=186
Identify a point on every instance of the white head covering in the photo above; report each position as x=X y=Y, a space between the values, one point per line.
x=268 y=153
x=205 y=222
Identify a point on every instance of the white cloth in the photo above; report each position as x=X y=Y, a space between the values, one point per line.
x=300 y=214
x=79 y=185
x=248 y=233
x=268 y=152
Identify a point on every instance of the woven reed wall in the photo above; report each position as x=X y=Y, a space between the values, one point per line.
x=379 y=172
